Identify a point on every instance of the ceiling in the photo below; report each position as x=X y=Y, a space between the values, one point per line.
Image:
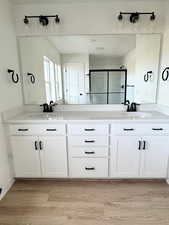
x=114 y=45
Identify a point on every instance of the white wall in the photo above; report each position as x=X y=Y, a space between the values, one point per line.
x=32 y=51
x=10 y=93
x=76 y=58
x=129 y=62
x=163 y=87
x=147 y=59
x=104 y=62
x=92 y=17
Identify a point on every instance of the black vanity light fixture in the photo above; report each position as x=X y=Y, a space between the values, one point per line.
x=15 y=76
x=134 y=16
x=43 y=20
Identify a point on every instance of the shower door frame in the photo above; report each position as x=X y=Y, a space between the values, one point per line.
x=108 y=75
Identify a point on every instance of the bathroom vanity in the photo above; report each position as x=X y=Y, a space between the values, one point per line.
x=90 y=145
x=93 y=144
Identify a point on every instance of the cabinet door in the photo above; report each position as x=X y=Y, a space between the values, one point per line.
x=26 y=157
x=125 y=157
x=155 y=157
x=53 y=156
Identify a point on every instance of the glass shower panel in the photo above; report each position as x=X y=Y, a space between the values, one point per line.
x=116 y=81
x=98 y=99
x=116 y=87
x=107 y=86
x=116 y=98
x=98 y=82
x=98 y=87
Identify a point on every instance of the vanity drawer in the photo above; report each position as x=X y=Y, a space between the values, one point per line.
x=158 y=129
x=126 y=129
x=88 y=129
x=88 y=152
x=21 y=129
x=140 y=129
x=37 y=129
x=59 y=129
x=88 y=140
x=88 y=168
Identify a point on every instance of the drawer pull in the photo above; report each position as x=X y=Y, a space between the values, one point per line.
x=92 y=141
x=144 y=145
x=36 y=145
x=89 y=168
x=157 y=129
x=92 y=129
x=51 y=130
x=40 y=145
x=89 y=153
x=128 y=129
x=23 y=130
x=139 y=145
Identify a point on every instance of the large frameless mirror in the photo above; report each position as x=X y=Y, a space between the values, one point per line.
x=90 y=69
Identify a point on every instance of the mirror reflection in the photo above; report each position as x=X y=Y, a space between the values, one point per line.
x=93 y=69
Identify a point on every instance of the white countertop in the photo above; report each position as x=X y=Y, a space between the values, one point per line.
x=90 y=116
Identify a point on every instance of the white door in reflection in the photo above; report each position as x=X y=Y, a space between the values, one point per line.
x=74 y=83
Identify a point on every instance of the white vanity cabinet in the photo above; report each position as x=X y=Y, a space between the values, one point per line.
x=124 y=157
x=155 y=157
x=90 y=150
x=88 y=147
x=139 y=150
x=25 y=156
x=53 y=156
x=39 y=155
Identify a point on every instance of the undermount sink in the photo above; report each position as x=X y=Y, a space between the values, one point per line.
x=91 y=115
x=137 y=114
x=43 y=116
x=124 y=115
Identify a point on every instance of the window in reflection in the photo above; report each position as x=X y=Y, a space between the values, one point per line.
x=58 y=82
x=53 y=80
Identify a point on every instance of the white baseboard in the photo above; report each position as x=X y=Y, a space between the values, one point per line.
x=6 y=188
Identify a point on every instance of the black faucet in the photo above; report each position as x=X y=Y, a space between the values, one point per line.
x=127 y=102
x=131 y=107
x=48 y=108
x=51 y=104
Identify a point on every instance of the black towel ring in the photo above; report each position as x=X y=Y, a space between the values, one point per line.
x=15 y=77
x=32 y=77
x=147 y=76
x=166 y=70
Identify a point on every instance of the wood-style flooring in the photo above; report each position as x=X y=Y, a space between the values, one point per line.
x=51 y=202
